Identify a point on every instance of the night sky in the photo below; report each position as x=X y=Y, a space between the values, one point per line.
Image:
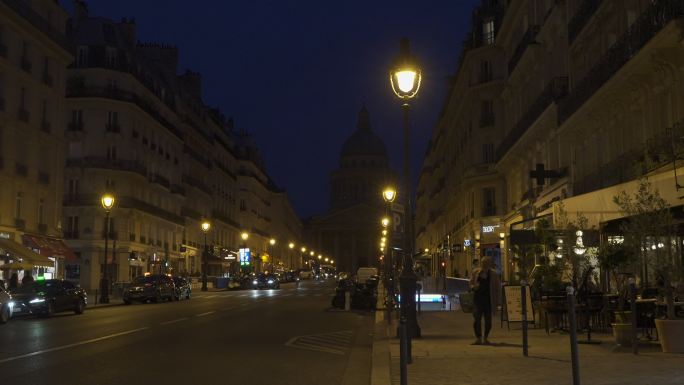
x=296 y=73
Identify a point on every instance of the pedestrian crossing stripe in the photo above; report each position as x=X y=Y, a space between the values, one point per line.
x=334 y=343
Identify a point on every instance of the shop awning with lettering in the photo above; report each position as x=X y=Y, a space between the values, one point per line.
x=51 y=247
x=24 y=253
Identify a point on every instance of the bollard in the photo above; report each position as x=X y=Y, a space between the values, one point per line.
x=523 y=292
x=403 y=351
x=632 y=307
x=573 y=335
x=347 y=300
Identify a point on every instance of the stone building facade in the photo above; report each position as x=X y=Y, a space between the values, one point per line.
x=34 y=53
x=578 y=93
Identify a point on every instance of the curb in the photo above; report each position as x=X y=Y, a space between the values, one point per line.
x=103 y=306
x=380 y=354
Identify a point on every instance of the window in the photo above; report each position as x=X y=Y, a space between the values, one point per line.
x=110 y=185
x=111 y=152
x=45 y=108
x=110 y=57
x=22 y=98
x=73 y=188
x=488 y=202
x=488 y=33
x=77 y=116
x=485 y=71
x=72 y=227
x=487 y=113
x=17 y=206
x=82 y=56
x=243 y=206
x=112 y=118
x=488 y=153
x=41 y=211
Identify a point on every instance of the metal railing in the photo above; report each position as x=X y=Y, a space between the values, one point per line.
x=555 y=90
x=649 y=23
x=527 y=39
x=585 y=11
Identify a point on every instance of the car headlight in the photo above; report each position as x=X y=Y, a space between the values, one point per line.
x=254 y=282
x=37 y=300
x=270 y=281
x=10 y=304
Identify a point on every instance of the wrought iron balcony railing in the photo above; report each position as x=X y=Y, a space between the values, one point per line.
x=527 y=39
x=585 y=11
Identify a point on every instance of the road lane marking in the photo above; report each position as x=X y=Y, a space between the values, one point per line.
x=173 y=321
x=211 y=296
x=39 y=352
x=207 y=313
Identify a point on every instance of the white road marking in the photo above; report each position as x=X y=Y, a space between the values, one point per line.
x=39 y=352
x=174 y=321
x=212 y=296
x=207 y=313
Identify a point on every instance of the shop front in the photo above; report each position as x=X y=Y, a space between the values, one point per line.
x=53 y=248
x=16 y=258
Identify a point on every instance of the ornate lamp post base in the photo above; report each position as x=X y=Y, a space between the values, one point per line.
x=407 y=289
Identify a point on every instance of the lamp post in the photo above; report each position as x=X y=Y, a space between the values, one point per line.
x=291 y=246
x=302 y=252
x=107 y=201
x=272 y=243
x=389 y=194
x=405 y=77
x=244 y=236
x=205 y=226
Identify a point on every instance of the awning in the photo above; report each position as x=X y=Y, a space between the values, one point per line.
x=52 y=247
x=26 y=254
x=16 y=266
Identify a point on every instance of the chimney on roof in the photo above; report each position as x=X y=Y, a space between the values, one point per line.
x=80 y=10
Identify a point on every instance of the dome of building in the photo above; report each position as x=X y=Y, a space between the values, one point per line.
x=363 y=142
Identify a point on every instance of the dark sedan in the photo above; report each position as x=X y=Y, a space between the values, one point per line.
x=183 y=288
x=155 y=287
x=46 y=297
x=265 y=281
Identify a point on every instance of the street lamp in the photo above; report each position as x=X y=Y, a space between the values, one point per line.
x=385 y=221
x=107 y=201
x=272 y=243
x=291 y=246
x=389 y=195
x=205 y=226
x=405 y=77
x=301 y=256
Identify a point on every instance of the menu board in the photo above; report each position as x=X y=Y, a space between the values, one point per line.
x=513 y=304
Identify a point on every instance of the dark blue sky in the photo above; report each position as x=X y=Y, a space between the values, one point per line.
x=295 y=73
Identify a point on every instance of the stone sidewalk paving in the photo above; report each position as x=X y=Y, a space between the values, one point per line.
x=444 y=356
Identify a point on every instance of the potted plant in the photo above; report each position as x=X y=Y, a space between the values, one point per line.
x=648 y=229
x=613 y=258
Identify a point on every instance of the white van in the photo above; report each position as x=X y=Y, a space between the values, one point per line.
x=364 y=273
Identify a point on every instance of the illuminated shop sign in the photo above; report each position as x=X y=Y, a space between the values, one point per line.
x=245 y=257
x=489 y=229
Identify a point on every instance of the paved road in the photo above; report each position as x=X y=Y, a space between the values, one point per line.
x=287 y=336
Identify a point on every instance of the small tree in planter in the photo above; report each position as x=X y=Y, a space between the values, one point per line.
x=613 y=259
x=648 y=228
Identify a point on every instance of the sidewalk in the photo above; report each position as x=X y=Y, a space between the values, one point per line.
x=444 y=356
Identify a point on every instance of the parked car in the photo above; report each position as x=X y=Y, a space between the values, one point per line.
x=6 y=306
x=291 y=276
x=265 y=281
x=47 y=297
x=155 y=287
x=183 y=288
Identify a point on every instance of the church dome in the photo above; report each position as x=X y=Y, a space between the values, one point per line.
x=363 y=142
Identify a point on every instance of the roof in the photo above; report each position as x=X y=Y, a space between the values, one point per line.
x=363 y=142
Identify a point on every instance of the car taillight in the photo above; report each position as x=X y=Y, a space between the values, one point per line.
x=149 y=285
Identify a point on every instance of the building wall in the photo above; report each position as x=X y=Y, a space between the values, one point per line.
x=33 y=58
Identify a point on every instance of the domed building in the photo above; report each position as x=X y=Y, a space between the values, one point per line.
x=350 y=230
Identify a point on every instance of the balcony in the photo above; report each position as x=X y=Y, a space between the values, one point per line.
x=23 y=9
x=197 y=156
x=26 y=65
x=81 y=91
x=586 y=10
x=649 y=24
x=527 y=39
x=23 y=115
x=190 y=213
x=108 y=164
x=19 y=223
x=45 y=126
x=177 y=189
x=224 y=218
x=556 y=90
x=160 y=180
x=20 y=169
x=75 y=126
x=196 y=183
x=43 y=178
x=113 y=127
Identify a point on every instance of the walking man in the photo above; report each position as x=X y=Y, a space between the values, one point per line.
x=485 y=283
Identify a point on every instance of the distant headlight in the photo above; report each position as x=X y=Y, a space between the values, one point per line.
x=37 y=300
x=270 y=281
x=254 y=282
x=10 y=304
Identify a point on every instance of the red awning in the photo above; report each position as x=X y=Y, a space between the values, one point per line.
x=50 y=247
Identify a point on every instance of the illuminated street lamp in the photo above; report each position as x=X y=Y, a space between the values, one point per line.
x=272 y=243
x=205 y=226
x=291 y=246
x=107 y=201
x=405 y=76
x=385 y=222
x=244 y=235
